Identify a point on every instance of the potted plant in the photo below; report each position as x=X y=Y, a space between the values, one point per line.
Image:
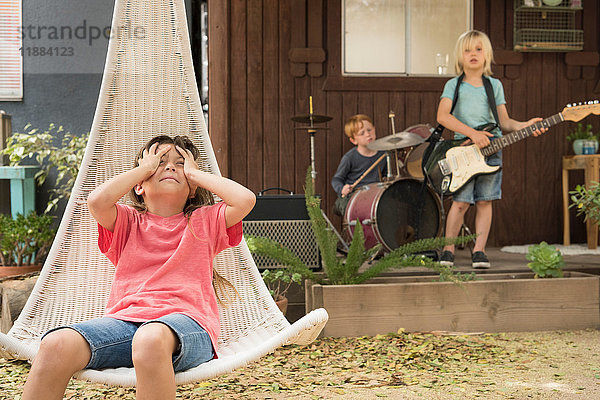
x=24 y=243
x=584 y=140
x=278 y=282
x=546 y=261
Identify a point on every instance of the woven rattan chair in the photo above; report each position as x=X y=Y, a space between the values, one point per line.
x=148 y=88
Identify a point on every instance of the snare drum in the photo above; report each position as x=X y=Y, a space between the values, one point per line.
x=414 y=160
x=394 y=213
x=414 y=156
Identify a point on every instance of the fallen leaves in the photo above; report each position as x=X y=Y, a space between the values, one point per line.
x=338 y=367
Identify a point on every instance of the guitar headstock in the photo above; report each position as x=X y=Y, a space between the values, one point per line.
x=578 y=111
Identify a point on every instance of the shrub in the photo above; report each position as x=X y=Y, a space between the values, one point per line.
x=279 y=281
x=66 y=157
x=587 y=201
x=25 y=240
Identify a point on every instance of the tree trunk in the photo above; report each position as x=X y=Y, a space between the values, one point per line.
x=14 y=294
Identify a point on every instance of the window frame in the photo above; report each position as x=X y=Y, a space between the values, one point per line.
x=336 y=80
x=18 y=4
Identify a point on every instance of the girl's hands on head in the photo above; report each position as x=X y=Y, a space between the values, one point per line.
x=189 y=165
x=151 y=158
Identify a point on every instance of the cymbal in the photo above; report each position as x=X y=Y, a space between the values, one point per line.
x=316 y=119
x=396 y=141
x=423 y=130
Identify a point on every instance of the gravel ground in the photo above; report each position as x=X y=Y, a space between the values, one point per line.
x=435 y=365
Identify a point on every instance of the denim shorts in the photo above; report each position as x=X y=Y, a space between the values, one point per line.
x=110 y=341
x=483 y=187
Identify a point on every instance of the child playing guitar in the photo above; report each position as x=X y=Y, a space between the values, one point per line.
x=474 y=56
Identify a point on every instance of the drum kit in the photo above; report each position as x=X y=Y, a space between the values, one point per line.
x=401 y=208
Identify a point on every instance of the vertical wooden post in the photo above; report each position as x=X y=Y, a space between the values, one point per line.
x=591 y=178
x=219 y=83
x=566 y=216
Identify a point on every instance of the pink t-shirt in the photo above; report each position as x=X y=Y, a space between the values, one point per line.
x=162 y=267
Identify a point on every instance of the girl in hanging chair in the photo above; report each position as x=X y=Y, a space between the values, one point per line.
x=162 y=314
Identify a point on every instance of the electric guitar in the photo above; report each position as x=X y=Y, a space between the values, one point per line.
x=452 y=165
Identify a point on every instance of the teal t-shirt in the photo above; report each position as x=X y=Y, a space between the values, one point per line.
x=472 y=106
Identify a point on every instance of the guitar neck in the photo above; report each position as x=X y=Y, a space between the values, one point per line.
x=513 y=137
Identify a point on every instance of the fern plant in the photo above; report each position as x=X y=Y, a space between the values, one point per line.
x=341 y=270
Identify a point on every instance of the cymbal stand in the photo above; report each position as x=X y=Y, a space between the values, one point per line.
x=388 y=159
x=311 y=132
x=391 y=116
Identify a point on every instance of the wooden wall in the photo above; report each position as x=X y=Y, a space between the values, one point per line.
x=266 y=57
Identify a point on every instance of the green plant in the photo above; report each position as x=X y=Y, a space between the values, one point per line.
x=546 y=261
x=66 y=157
x=582 y=132
x=587 y=201
x=25 y=240
x=279 y=281
x=345 y=270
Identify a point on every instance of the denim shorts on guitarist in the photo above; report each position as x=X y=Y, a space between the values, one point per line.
x=110 y=341
x=483 y=187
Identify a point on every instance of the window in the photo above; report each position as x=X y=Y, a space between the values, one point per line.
x=11 y=60
x=402 y=37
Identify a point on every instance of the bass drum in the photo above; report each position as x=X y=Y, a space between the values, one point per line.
x=394 y=213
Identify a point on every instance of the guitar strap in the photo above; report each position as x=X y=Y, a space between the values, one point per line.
x=455 y=99
x=487 y=84
x=437 y=132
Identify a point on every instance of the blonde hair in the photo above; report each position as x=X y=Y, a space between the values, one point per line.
x=467 y=41
x=201 y=198
x=355 y=123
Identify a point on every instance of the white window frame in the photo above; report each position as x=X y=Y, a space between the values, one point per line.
x=11 y=57
x=407 y=45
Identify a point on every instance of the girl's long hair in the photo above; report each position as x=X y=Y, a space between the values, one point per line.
x=201 y=198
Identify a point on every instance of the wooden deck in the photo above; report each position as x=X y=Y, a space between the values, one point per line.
x=509 y=262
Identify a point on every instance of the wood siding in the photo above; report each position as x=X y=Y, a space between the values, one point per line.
x=264 y=63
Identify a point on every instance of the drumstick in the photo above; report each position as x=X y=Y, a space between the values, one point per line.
x=365 y=173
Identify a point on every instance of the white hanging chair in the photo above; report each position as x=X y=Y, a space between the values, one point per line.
x=148 y=88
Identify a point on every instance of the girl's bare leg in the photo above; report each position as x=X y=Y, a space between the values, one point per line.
x=152 y=350
x=454 y=221
x=483 y=223
x=61 y=354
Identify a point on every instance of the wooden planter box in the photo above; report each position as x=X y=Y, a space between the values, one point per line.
x=497 y=303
